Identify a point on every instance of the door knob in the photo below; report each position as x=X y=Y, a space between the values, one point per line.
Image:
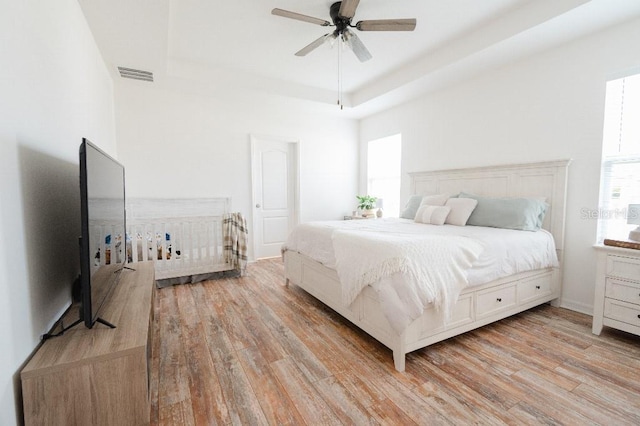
x=257 y=206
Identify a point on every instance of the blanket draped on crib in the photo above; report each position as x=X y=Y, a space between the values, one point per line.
x=235 y=236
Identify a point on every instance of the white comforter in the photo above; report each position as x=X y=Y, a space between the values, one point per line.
x=411 y=265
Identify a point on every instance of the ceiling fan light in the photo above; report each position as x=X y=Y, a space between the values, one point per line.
x=356 y=46
x=331 y=39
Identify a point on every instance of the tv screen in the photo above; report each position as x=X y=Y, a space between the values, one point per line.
x=103 y=240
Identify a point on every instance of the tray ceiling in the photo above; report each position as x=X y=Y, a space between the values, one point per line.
x=238 y=45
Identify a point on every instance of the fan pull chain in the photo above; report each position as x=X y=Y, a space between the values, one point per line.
x=340 y=47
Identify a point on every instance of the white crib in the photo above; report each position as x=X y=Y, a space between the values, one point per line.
x=183 y=237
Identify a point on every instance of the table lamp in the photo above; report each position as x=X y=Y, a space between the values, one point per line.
x=633 y=218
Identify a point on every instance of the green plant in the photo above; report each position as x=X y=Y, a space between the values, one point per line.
x=366 y=202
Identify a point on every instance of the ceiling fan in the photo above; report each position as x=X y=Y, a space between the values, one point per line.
x=342 y=13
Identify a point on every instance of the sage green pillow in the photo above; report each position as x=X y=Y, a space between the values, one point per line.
x=526 y=214
x=411 y=208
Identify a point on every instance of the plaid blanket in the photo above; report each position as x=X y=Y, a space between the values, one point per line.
x=235 y=234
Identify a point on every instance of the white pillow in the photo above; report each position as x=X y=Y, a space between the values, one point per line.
x=434 y=200
x=461 y=209
x=434 y=215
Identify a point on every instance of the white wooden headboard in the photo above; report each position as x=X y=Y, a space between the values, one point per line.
x=546 y=179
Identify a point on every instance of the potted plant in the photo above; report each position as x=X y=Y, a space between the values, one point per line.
x=367 y=204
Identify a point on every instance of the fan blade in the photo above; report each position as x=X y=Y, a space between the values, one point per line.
x=315 y=44
x=356 y=45
x=300 y=17
x=387 y=25
x=348 y=8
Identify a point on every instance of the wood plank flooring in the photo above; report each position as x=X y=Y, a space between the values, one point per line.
x=251 y=351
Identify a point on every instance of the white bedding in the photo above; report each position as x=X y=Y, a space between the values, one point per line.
x=487 y=254
x=506 y=252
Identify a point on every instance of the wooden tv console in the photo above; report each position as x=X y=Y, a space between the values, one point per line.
x=99 y=375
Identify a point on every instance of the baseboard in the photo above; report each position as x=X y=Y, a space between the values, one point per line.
x=577 y=306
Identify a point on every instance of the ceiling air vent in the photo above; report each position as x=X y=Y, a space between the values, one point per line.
x=135 y=74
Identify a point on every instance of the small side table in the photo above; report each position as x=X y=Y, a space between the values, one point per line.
x=617 y=292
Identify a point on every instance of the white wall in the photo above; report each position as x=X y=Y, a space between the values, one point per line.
x=549 y=106
x=54 y=90
x=182 y=144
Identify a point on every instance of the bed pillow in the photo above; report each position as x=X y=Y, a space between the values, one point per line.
x=433 y=215
x=461 y=209
x=411 y=208
x=525 y=214
x=434 y=200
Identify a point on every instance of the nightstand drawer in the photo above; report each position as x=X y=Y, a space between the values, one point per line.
x=495 y=300
x=622 y=311
x=623 y=267
x=623 y=290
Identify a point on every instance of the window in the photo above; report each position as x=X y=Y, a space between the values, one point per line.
x=383 y=172
x=620 y=178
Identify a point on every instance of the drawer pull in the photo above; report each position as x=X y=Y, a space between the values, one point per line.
x=537 y=287
x=499 y=299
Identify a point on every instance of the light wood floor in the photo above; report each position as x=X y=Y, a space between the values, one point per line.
x=252 y=351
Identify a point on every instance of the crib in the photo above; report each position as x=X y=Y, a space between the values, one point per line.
x=183 y=237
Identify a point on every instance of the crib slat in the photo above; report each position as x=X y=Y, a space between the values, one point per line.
x=133 y=236
x=217 y=228
x=198 y=241
x=207 y=240
x=143 y=241
x=163 y=243
x=192 y=253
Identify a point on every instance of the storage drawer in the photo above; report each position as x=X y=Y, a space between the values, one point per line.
x=623 y=290
x=494 y=300
x=623 y=267
x=534 y=288
x=622 y=311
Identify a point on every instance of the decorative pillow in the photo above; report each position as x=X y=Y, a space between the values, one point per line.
x=411 y=208
x=461 y=209
x=434 y=200
x=525 y=214
x=434 y=215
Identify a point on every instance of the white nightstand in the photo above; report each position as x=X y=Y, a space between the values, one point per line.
x=617 y=296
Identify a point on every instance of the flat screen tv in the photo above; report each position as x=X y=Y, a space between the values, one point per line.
x=103 y=237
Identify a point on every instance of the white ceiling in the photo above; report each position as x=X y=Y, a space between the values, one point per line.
x=208 y=45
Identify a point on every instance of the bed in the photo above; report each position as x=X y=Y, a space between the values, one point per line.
x=477 y=301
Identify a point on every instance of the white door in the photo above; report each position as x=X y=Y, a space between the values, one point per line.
x=275 y=183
